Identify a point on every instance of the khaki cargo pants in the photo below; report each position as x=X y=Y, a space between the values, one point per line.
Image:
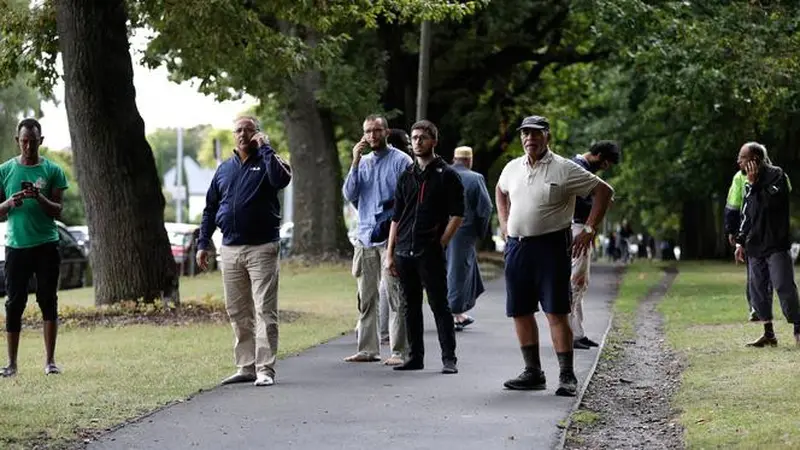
x=369 y=270
x=250 y=281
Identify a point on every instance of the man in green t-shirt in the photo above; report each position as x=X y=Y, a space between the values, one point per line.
x=31 y=191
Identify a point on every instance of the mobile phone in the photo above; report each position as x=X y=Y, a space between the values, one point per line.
x=27 y=185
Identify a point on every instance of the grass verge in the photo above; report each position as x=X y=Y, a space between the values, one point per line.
x=638 y=279
x=731 y=396
x=112 y=374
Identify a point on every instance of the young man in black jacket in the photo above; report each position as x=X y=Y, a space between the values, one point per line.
x=428 y=210
x=764 y=239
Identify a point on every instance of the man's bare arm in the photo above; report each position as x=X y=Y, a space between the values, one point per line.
x=602 y=195
x=52 y=206
x=503 y=205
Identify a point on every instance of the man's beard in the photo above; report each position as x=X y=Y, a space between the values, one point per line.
x=595 y=166
x=424 y=153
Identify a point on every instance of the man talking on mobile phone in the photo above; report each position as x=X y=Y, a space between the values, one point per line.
x=370 y=186
x=32 y=192
x=243 y=202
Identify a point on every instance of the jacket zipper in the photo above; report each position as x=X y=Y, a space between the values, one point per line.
x=236 y=191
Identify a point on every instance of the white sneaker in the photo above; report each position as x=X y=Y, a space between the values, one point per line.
x=263 y=379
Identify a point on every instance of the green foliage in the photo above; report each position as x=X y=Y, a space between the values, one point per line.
x=234 y=47
x=16 y=100
x=686 y=85
x=73 y=212
x=207 y=156
x=29 y=44
x=268 y=115
x=164 y=143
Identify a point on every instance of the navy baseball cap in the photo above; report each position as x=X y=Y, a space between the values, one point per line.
x=535 y=122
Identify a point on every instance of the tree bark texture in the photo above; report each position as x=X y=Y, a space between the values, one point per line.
x=319 y=230
x=130 y=257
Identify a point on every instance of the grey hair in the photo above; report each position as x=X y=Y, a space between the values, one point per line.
x=759 y=151
x=249 y=117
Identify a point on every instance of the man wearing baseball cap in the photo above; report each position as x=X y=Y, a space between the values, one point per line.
x=535 y=198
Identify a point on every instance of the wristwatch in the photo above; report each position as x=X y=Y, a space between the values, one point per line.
x=588 y=229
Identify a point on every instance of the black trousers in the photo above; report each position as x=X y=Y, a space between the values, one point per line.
x=428 y=271
x=43 y=261
x=773 y=271
x=747 y=286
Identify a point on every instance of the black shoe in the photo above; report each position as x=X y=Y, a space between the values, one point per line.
x=580 y=345
x=764 y=341
x=586 y=341
x=449 y=368
x=411 y=364
x=567 y=385
x=458 y=327
x=529 y=380
x=466 y=322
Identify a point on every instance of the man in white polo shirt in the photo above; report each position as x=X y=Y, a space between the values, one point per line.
x=535 y=204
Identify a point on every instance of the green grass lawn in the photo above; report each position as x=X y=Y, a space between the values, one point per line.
x=114 y=374
x=731 y=396
x=639 y=278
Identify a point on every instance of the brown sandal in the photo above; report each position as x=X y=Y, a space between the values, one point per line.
x=362 y=357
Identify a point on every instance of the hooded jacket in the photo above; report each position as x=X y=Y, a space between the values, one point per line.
x=764 y=229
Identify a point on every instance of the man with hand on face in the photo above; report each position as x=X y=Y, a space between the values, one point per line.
x=764 y=239
x=428 y=209
x=535 y=204
x=601 y=156
x=370 y=187
x=243 y=202
x=32 y=192
x=733 y=218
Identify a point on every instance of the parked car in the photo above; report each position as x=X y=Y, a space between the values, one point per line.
x=286 y=234
x=74 y=263
x=81 y=235
x=183 y=240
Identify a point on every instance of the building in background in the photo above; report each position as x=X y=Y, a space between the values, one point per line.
x=197 y=180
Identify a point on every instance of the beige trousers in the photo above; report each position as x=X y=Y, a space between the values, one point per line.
x=580 y=284
x=250 y=281
x=369 y=270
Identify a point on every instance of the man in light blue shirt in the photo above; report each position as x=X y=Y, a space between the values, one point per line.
x=370 y=187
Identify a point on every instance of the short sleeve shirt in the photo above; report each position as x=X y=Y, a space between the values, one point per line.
x=28 y=225
x=542 y=195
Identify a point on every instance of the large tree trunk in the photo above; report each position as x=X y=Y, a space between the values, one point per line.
x=319 y=230
x=131 y=257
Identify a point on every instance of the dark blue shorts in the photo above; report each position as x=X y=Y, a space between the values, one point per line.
x=538 y=271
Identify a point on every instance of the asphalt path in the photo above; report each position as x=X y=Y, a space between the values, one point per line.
x=320 y=402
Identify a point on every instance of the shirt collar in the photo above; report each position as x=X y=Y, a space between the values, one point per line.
x=546 y=159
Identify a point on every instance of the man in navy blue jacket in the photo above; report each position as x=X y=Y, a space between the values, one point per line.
x=243 y=202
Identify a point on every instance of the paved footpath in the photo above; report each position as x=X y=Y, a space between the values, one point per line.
x=321 y=402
